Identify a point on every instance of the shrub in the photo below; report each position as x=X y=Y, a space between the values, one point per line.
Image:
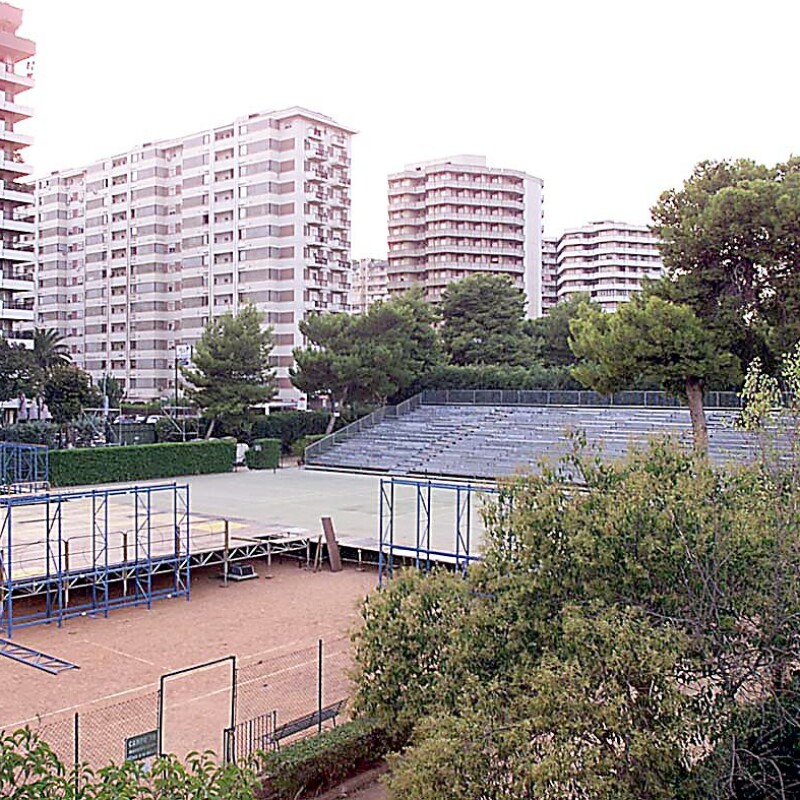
x=289 y=426
x=264 y=454
x=139 y=462
x=318 y=762
x=32 y=433
x=299 y=447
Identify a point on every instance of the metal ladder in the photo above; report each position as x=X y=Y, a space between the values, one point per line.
x=34 y=658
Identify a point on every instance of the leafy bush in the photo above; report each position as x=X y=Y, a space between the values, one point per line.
x=139 y=462
x=32 y=433
x=264 y=454
x=317 y=762
x=299 y=447
x=30 y=770
x=289 y=426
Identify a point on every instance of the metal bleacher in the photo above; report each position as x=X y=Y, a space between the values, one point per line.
x=484 y=441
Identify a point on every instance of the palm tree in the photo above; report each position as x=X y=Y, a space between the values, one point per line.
x=49 y=350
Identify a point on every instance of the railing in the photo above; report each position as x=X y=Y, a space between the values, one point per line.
x=385 y=412
x=563 y=397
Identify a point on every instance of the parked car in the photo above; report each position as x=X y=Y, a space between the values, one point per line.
x=153 y=418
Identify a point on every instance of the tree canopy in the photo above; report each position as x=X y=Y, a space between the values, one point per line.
x=651 y=339
x=68 y=391
x=550 y=334
x=482 y=321
x=367 y=358
x=230 y=369
x=730 y=241
x=49 y=350
x=635 y=639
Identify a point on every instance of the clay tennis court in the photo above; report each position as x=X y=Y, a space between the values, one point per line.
x=272 y=626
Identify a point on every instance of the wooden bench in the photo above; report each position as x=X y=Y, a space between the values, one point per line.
x=304 y=723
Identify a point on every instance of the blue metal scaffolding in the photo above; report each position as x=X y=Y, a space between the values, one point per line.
x=24 y=467
x=90 y=567
x=421 y=553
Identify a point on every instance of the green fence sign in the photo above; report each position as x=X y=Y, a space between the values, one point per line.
x=143 y=745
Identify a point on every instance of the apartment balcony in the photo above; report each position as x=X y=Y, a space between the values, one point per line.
x=18 y=225
x=11 y=81
x=14 y=112
x=16 y=192
x=469 y=248
x=492 y=219
x=16 y=280
x=465 y=199
x=17 y=253
x=17 y=311
x=316 y=153
x=420 y=236
x=14 y=141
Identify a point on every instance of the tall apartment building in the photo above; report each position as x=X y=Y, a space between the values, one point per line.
x=16 y=198
x=457 y=216
x=368 y=284
x=137 y=252
x=549 y=273
x=607 y=261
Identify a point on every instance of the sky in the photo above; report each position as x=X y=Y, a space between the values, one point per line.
x=610 y=103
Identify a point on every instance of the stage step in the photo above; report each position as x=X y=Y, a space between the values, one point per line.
x=33 y=658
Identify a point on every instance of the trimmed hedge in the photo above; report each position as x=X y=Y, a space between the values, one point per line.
x=264 y=454
x=139 y=462
x=318 y=762
x=289 y=426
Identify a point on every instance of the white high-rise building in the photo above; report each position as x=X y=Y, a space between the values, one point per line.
x=608 y=261
x=455 y=217
x=16 y=198
x=369 y=283
x=137 y=252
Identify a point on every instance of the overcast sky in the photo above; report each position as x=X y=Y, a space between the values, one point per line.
x=608 y=102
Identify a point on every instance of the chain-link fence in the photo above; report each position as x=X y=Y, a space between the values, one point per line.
x=262 y=702
x=286 y=696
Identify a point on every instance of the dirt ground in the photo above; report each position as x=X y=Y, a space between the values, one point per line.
x=271 y=625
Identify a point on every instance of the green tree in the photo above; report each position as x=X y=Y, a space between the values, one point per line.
x=230 y=369
x=607 y=644
x=368 y=358
x=482 y=321
x=49 y=350
x=18 y=371
x=68 y=390
x=650 y=339
x=550 y=334
x=730 y=239
x=111 y=387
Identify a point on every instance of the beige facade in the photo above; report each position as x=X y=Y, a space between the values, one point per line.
x=137 y=252
x=549 y=273
x=369 y=283
x=16 y=198
x=457 y=216
x=606 y=260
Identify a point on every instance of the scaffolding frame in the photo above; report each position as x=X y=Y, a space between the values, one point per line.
x=421 y=554
x=24 y=467
x=58 y=578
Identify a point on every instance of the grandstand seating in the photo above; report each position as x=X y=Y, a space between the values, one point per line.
x=472 y=441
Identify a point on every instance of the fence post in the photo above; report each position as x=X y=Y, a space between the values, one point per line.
x=76 y=753
x=319 y=689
